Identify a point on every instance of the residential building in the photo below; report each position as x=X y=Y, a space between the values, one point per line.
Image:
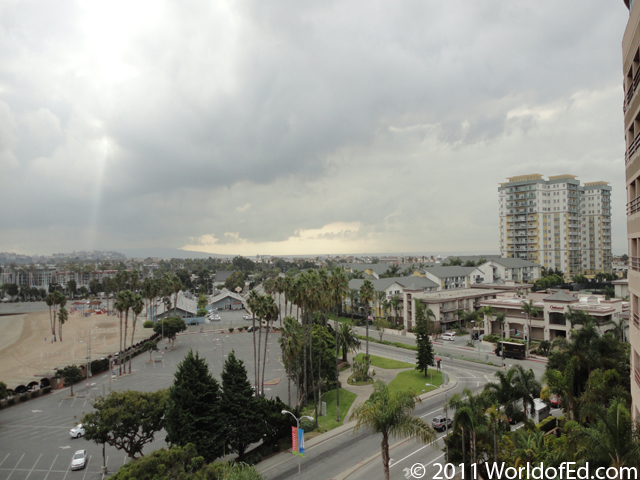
x=631 y=109
x=504 y=270
x=453 y=277
x=557 y=223
x=552 y=322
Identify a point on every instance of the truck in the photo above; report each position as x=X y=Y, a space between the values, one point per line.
x=511 y=350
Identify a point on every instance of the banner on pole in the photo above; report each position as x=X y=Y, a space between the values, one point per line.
x=297 y=441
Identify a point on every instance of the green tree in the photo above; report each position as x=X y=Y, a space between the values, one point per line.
x=72 y=287
x=126 y=420
x=170 y=327
x=339 y=286
x=150 y=346
x=424 y=354
x=71 y=375
x=50 y=301
x=3 y=390
x=530 y=310
x=366 y=297
x=290 y=345
x=380 y=324
x=390 y=414
x=136 y=308
x=238 y=407
x=347 y=340
x=235 y=280
x=63 y=316
x=193 y=409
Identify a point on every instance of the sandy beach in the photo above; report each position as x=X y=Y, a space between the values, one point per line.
x=26 y=351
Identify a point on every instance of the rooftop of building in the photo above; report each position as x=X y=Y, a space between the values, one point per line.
x=458 y=293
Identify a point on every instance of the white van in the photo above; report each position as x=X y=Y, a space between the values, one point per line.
x=541 y=411
x=449 y=336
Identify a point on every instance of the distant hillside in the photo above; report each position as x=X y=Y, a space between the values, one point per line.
x=166 y=253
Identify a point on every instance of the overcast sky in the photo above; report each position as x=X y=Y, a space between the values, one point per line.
x=296 y=126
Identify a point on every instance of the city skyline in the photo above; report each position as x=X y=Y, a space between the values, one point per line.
x=298 y=129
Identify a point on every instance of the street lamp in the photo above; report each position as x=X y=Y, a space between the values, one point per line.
x=297 y=426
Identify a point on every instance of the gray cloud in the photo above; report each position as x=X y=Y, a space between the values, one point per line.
x=153 y=127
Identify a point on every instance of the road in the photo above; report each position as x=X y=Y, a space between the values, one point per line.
x=334 y=457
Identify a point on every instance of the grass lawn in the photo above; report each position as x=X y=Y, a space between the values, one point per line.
x=415 y=380
x=382 y=362
x=328 y=422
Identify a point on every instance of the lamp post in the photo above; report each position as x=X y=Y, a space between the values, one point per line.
x=297 y=426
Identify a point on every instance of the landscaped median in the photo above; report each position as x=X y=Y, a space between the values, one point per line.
x=382 y=362
x=328 y=421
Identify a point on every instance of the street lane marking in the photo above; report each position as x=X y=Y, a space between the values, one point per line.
x=52 y=463
x=14 y=468
x=34 y=466
x=4 y=459
x=421 y=448
x=86 y=467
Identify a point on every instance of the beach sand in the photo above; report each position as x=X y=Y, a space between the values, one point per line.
x=27 y=354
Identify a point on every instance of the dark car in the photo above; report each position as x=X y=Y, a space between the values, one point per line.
x=194 y=322
x=441 y=422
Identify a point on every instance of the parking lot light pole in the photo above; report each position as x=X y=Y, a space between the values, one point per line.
x=297 y=426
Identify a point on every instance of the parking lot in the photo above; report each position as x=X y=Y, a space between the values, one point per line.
x=34 y=436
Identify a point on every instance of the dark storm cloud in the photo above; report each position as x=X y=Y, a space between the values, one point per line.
x=309 y=112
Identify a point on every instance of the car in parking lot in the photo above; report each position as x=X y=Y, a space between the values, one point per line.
x=449 y=336
x=77 y=431
x=246 y=316
x=79 y=460
x=441 y=422
x=194 y=322
x=555 y=401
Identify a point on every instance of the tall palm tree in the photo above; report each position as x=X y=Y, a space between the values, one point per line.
x=366 y=297
x=527 y=387
x=124 y=300
x=270 y=313
x=339 y=287
x=61 y=301
x=353 y=297
x=395 y=306
x=390 y=414
x=252 y=302
x=137 y=305
x=63 y=316
x=347 y=340
x=469 y=417
x=49 y=299
x=495 y=417
x=290 y=345
x=530 y=310
x=380 y=297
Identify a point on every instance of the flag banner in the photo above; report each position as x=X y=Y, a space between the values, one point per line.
x=301 y=442
x=294 y=439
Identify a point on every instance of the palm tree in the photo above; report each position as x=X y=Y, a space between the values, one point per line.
x=530 y=311
x=389 y=414
x=176 y=286
x=270 y=313
x=49 y=299
x=366 y=297
x=347 y=340
x=123 y=303
x=469 y=417
x=290 y=345
x=136 y=308
x=380 y=297
x=339 y=287
x=527 y=387
x=495 y=417
x=395 y=306
x=61 y=300
x=63 y=315
x=353 y=297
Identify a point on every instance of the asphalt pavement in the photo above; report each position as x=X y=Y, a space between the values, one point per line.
x=34 y=436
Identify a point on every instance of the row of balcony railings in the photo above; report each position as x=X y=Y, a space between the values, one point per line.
x=632 y=149
x=632 y=90
x=637 y=376
x=635 y=263
x=633 y=206
x=636 y=320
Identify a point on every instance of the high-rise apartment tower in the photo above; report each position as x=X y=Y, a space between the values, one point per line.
x=631 y=108
x=557 y=223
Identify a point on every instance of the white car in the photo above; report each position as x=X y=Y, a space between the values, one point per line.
x=79 y=460
x=77 y=431
x=449 y=336
x=246 y=316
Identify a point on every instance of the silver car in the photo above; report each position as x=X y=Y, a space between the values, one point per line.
x=79 y=460
x=77 y=431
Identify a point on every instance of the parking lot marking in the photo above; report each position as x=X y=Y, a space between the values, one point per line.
x=14 y=468
x=4 y=459
x=34 y=466
x=52 y=463
x=86 y=467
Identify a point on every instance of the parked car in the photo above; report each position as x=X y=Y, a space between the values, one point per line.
x=555 y=401
x=79 y=460
x=77 y=431
x=449 y=336
x=441 y=422
x=246 y=316
x=194 y=322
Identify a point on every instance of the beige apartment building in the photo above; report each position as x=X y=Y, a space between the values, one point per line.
x=631 y=109
x=557 y=223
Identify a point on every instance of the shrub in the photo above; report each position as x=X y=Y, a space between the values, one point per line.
x=548 y=424
x=147 y=324
x=307 y=425
x=240 y=329
x=35 y=394
x=46 y=390
x=230 y=329
x=11 y=401
x=24 y=397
